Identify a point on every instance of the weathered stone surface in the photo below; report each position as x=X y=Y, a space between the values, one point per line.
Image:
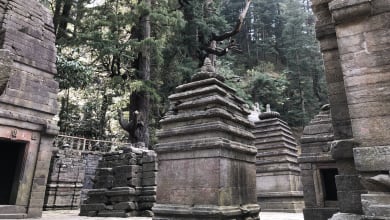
x=278 y=182
x=362 y=35
x=28 y=100
x=65 y=181
x=206 y=160
x=372 y=158
x=314 y=159
x=125 y=183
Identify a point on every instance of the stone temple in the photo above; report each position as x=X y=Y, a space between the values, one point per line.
x=28 y=103
x=355 y=42
x=209 y=154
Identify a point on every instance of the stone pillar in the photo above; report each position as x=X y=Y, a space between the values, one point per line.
x=363 y=36
x=318 y=168
x=278 y=176
x=341 y=148
x=205 y=154
x=28 y=103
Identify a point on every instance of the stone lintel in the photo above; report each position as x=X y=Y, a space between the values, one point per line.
x=280 y=194
x=174 y=211
x=349 y=10
x=372 y=158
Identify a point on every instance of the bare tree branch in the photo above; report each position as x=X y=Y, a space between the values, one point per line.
x=238 y=26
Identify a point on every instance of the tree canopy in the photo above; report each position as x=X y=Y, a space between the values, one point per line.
x=128 y=55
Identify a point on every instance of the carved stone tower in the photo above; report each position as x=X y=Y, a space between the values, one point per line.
x=278 y=175
x=27 y=105
x=205 y=154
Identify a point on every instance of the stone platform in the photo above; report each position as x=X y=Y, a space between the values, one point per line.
x=73 y=215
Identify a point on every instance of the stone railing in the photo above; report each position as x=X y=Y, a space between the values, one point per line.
x=84 y=144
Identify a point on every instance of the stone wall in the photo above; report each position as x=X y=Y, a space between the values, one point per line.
x=124 y=185
x=28 y=101
x=91 y=164
x=65 y=181
x=357 y=33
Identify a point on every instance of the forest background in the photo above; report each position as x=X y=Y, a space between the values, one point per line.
x=127 y=55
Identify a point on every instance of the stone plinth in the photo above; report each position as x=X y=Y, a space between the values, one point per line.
x=278 y=175
x=28 y=103
x=205 y=154
x=318 y=168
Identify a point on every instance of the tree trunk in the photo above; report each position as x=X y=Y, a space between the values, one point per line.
x=140 y=100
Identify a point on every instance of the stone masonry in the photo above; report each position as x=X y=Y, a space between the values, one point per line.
x=278 y=176
x=65 y=181
x=318 y=168
x=354 y=38
x=205 y=154
x=124 y=185
x=28 y=103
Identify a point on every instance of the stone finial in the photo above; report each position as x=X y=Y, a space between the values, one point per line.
x=254 y=116
x=207 y=66
x=268 y=113
x=207 y=71
x=268 y=108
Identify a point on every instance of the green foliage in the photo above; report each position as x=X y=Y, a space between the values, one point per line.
x=278 y=61
x=72 y=73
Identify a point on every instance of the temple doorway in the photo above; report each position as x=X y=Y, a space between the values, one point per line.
x=11 y=163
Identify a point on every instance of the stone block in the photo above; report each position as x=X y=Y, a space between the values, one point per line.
x=349 y=201
x=93 y=207
x=348 y=183
x=114 y=213
x=372 y=158
x=319 y=213
x=127 y=206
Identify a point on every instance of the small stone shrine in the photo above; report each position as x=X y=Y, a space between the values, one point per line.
x=355 y=42
x=124 y=185
x=318 y=168
x=65 y=181
x=279 y=187
x=205 y=154
x=28 y=103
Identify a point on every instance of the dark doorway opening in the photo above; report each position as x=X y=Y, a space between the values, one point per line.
x=329 y=184
x=11 y=159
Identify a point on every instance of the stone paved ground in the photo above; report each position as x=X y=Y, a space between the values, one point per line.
x=73 y=215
